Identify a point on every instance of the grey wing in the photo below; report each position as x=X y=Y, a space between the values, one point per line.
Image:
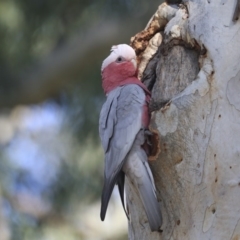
x=119 y=126
x=108 y=118
x=126 y=122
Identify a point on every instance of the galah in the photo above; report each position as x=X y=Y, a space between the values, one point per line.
x=123 y=122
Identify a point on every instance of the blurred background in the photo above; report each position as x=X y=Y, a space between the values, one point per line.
x=51 y=166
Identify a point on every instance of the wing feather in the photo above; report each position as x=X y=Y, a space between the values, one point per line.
x=108 y=112
x=120 y=122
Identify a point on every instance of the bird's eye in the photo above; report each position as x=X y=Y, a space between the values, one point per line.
x=119 y=59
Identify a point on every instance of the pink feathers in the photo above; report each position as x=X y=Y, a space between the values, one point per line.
x=120 y=69
x=118 y=74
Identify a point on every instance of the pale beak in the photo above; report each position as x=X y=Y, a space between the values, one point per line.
x=133 y=60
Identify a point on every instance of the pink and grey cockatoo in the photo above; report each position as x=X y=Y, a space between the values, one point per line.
x=123 y=120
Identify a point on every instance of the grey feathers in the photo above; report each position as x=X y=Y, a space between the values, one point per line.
x=138 y=172
x=122 y=135
x=120 y=121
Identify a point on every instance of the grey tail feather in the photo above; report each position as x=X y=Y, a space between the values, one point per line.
x=151 y=206
x=120 y=183
x=106 y=194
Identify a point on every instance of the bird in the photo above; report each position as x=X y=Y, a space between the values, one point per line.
x=123 y=126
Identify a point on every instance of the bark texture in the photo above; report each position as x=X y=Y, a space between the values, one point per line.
x=192 y=66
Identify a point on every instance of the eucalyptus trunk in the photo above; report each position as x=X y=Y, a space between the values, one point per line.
x=189 y=57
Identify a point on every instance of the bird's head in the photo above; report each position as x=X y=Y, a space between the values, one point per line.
x=119 y=67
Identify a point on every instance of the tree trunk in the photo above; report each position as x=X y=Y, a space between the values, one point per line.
x=189 y=56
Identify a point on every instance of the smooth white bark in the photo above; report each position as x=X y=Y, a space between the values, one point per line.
x=198 y=170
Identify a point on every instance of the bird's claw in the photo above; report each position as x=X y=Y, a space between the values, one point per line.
x=148 y=133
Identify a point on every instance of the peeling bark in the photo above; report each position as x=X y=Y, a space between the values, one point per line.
x=194 y=76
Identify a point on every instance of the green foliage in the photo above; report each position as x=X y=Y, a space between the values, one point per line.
x=69 y=150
